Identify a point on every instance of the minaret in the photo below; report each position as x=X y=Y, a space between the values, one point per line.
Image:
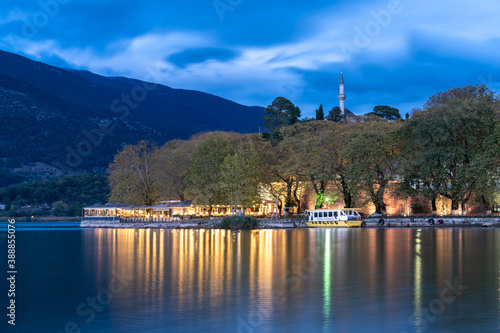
x=341 y=94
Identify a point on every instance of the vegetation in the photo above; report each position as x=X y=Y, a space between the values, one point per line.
x=386 y=112
x=204 y=177
x=320 y=115
x=279 y=114
x=238 y=222
x=374 y=150
x=336 y=115
x=64 y=196
x=134 y=174
x=450 y=148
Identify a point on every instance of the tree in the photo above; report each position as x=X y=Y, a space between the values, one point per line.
x=320 y=115
x=60 y=208
x=133 y=175
x=386 y=112
x=174 y=159
x=452 y=145
x=344 y=182
x=240 y=180
x=314 y=145
x=204 y=176
x=294 y=115
x=335 y=115
x=373 y=151
x=279 y=114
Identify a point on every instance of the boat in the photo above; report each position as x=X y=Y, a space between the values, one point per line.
x=332 y=218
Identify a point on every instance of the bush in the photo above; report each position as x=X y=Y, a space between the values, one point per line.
x=238 y=222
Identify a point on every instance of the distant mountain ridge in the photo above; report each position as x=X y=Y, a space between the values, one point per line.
x=77 y=120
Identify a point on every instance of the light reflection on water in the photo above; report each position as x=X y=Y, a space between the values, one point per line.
x=328 y=280
x=417 y=288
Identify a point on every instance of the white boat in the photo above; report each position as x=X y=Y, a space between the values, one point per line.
x=331 y=218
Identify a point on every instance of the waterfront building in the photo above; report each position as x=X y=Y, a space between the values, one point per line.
x=168 y=211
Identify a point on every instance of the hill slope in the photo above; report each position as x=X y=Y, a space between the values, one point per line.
x=77 y=120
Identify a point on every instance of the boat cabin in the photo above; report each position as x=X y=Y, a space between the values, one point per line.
x=352 y=214
x=317 y=215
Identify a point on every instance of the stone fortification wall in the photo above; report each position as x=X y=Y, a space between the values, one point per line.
x=455 y=221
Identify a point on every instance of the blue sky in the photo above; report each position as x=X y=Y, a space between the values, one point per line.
x=394 y=52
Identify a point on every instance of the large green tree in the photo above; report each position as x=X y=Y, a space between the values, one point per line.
x=279 y=114
x=204 y=177
x=239 y=177
x=314 y=145
x=452 y=146
x=174 y=159
x=373 y=150
x=386 y=112
x=134 y=173
x=336 y=115
x=345 y=182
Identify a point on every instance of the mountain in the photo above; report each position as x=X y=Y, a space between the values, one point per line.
x=76 y=121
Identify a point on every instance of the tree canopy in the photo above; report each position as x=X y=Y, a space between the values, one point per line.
x=280 y=114
x=450 y=148
x=386 y=112
x=320 y=115
x=335 y=115
x=452 y=145
x=134 y=175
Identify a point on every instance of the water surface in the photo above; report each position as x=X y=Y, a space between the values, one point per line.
x=344 y=280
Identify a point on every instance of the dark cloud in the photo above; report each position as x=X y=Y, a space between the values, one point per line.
x=195 y=56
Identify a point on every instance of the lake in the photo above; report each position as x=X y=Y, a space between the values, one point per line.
x=304 y=280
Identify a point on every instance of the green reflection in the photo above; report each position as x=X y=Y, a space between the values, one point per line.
x=327 y=282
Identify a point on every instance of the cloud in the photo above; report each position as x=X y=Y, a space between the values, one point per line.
x=295 y=49
x=195 y=56
x=13 y=16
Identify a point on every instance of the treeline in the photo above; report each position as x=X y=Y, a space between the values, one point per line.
x=449 y=148
x=65 y=196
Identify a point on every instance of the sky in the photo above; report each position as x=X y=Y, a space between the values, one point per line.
x=392 y=52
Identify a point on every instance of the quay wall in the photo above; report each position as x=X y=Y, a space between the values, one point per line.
x=432 y=221
x=292 y=223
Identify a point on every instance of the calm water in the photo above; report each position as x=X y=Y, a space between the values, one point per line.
x=359 y=280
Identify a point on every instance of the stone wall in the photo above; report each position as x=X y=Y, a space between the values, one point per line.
x=293 y=223
x=432 y=221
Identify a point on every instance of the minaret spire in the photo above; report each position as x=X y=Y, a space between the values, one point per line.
x=341 y=94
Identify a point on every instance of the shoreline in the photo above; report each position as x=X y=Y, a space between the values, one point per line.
x=29 y=219
x=388 y=222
